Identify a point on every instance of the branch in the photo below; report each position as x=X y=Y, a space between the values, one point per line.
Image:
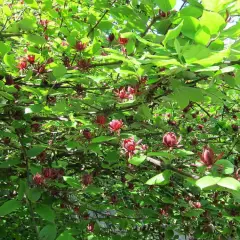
x=106 y=11
x=176 y=170
x=155 y=18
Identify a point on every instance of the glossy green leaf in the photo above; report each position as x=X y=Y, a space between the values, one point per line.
x=166 y=5
x=66 y=235
x=173 y=33
x=160 y=179
x=45 y=212
x=230 y=183
x=49 y=232
x=9 y=206
x=59 y=71
x=137 y=160
x=102 y=139
x=207 y=181
x=36 y=150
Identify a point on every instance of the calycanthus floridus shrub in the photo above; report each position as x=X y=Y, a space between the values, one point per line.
x=119 y=119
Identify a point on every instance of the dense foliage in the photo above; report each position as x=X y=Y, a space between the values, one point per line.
x=119 y=119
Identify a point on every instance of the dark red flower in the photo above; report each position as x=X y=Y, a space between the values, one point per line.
x=31 y=59
x=66 y=61
x=208 y=157
x=22 y=64
x=76 y=209
x=129 y=145
x=170 y=140
x=87 y=179
x=90 y=227
x=47 y=172
x=44 y=23
x=123 y=41
x=84 y=64
x=235 y=127
x=80 y=46
x=111 y=37
x=115 y=125
x=38 y=179
x=9 y=79
x=197 y=204
x=114 y=199
x=42 y=156
x=101 y=120
x=35 y=127
x=87 y=134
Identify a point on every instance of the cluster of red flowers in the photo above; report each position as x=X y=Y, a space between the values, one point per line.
x=84 y=64
x=53 y=173
x=131 y=147
x=125 y=93
x=47 y=173
x=44 y=23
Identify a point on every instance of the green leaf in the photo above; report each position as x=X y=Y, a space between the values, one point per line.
x=144 y=112
x=10 y=61
x=190 y=27
x=102 y=139
x=93 y=190
x=173 y=33
x=36 y=150
x=38 y=40
x=194 y=213
x=9 y=206
x=59 y=71
x=183 y=153
x=6 y=10
x=216 y=20
x=49 y=232
x=160 y=179
x=21 y=189
x=215 y=5
x=226 y=166
x=202 y=36
x=191 y=11
x=66 y=235
x=45 y=212
x=160 y=154
x=166 y=5
x=34 y=194
x=27 y=24
x=6 y=95
x=4 y=48
x=207 y=181
x=72 y=181
x=230 y=183
x=137 y=160
x=32 y=3
x=9 y=163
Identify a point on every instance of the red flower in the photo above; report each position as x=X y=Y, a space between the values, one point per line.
x=208 y=157
x=90 y=227
x=87 y=179
x=47 y=172
x=44 y=23
x=170 y=140
x=38 y=179
x=66 y=61
x=22 y=64
x=197 y=204
x=111 y=37
x=115 y=125
x=114 y=199
x=122 y=93
x=101 y=120
x=35 y=127
x=9 y=80
x=80 y=46
x=123 y=41
x=87 y=134
x=129 y=145
x=84 y=64
x=31 y=59
x=42 y=156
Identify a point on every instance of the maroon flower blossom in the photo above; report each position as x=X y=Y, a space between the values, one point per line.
x=87 y=134
x=42 y=156
x=101 y=120
x=111 y=37
x=38 y=179
x=87 y=179
x=170 y=140
x=124 y=93
x=22 y=64
x=123 y=41
x=90 y=227
x=115 y=126
x=79 y=46
x=197 y=204
x=84 y=64
x=31 y=59
x=208 y=158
